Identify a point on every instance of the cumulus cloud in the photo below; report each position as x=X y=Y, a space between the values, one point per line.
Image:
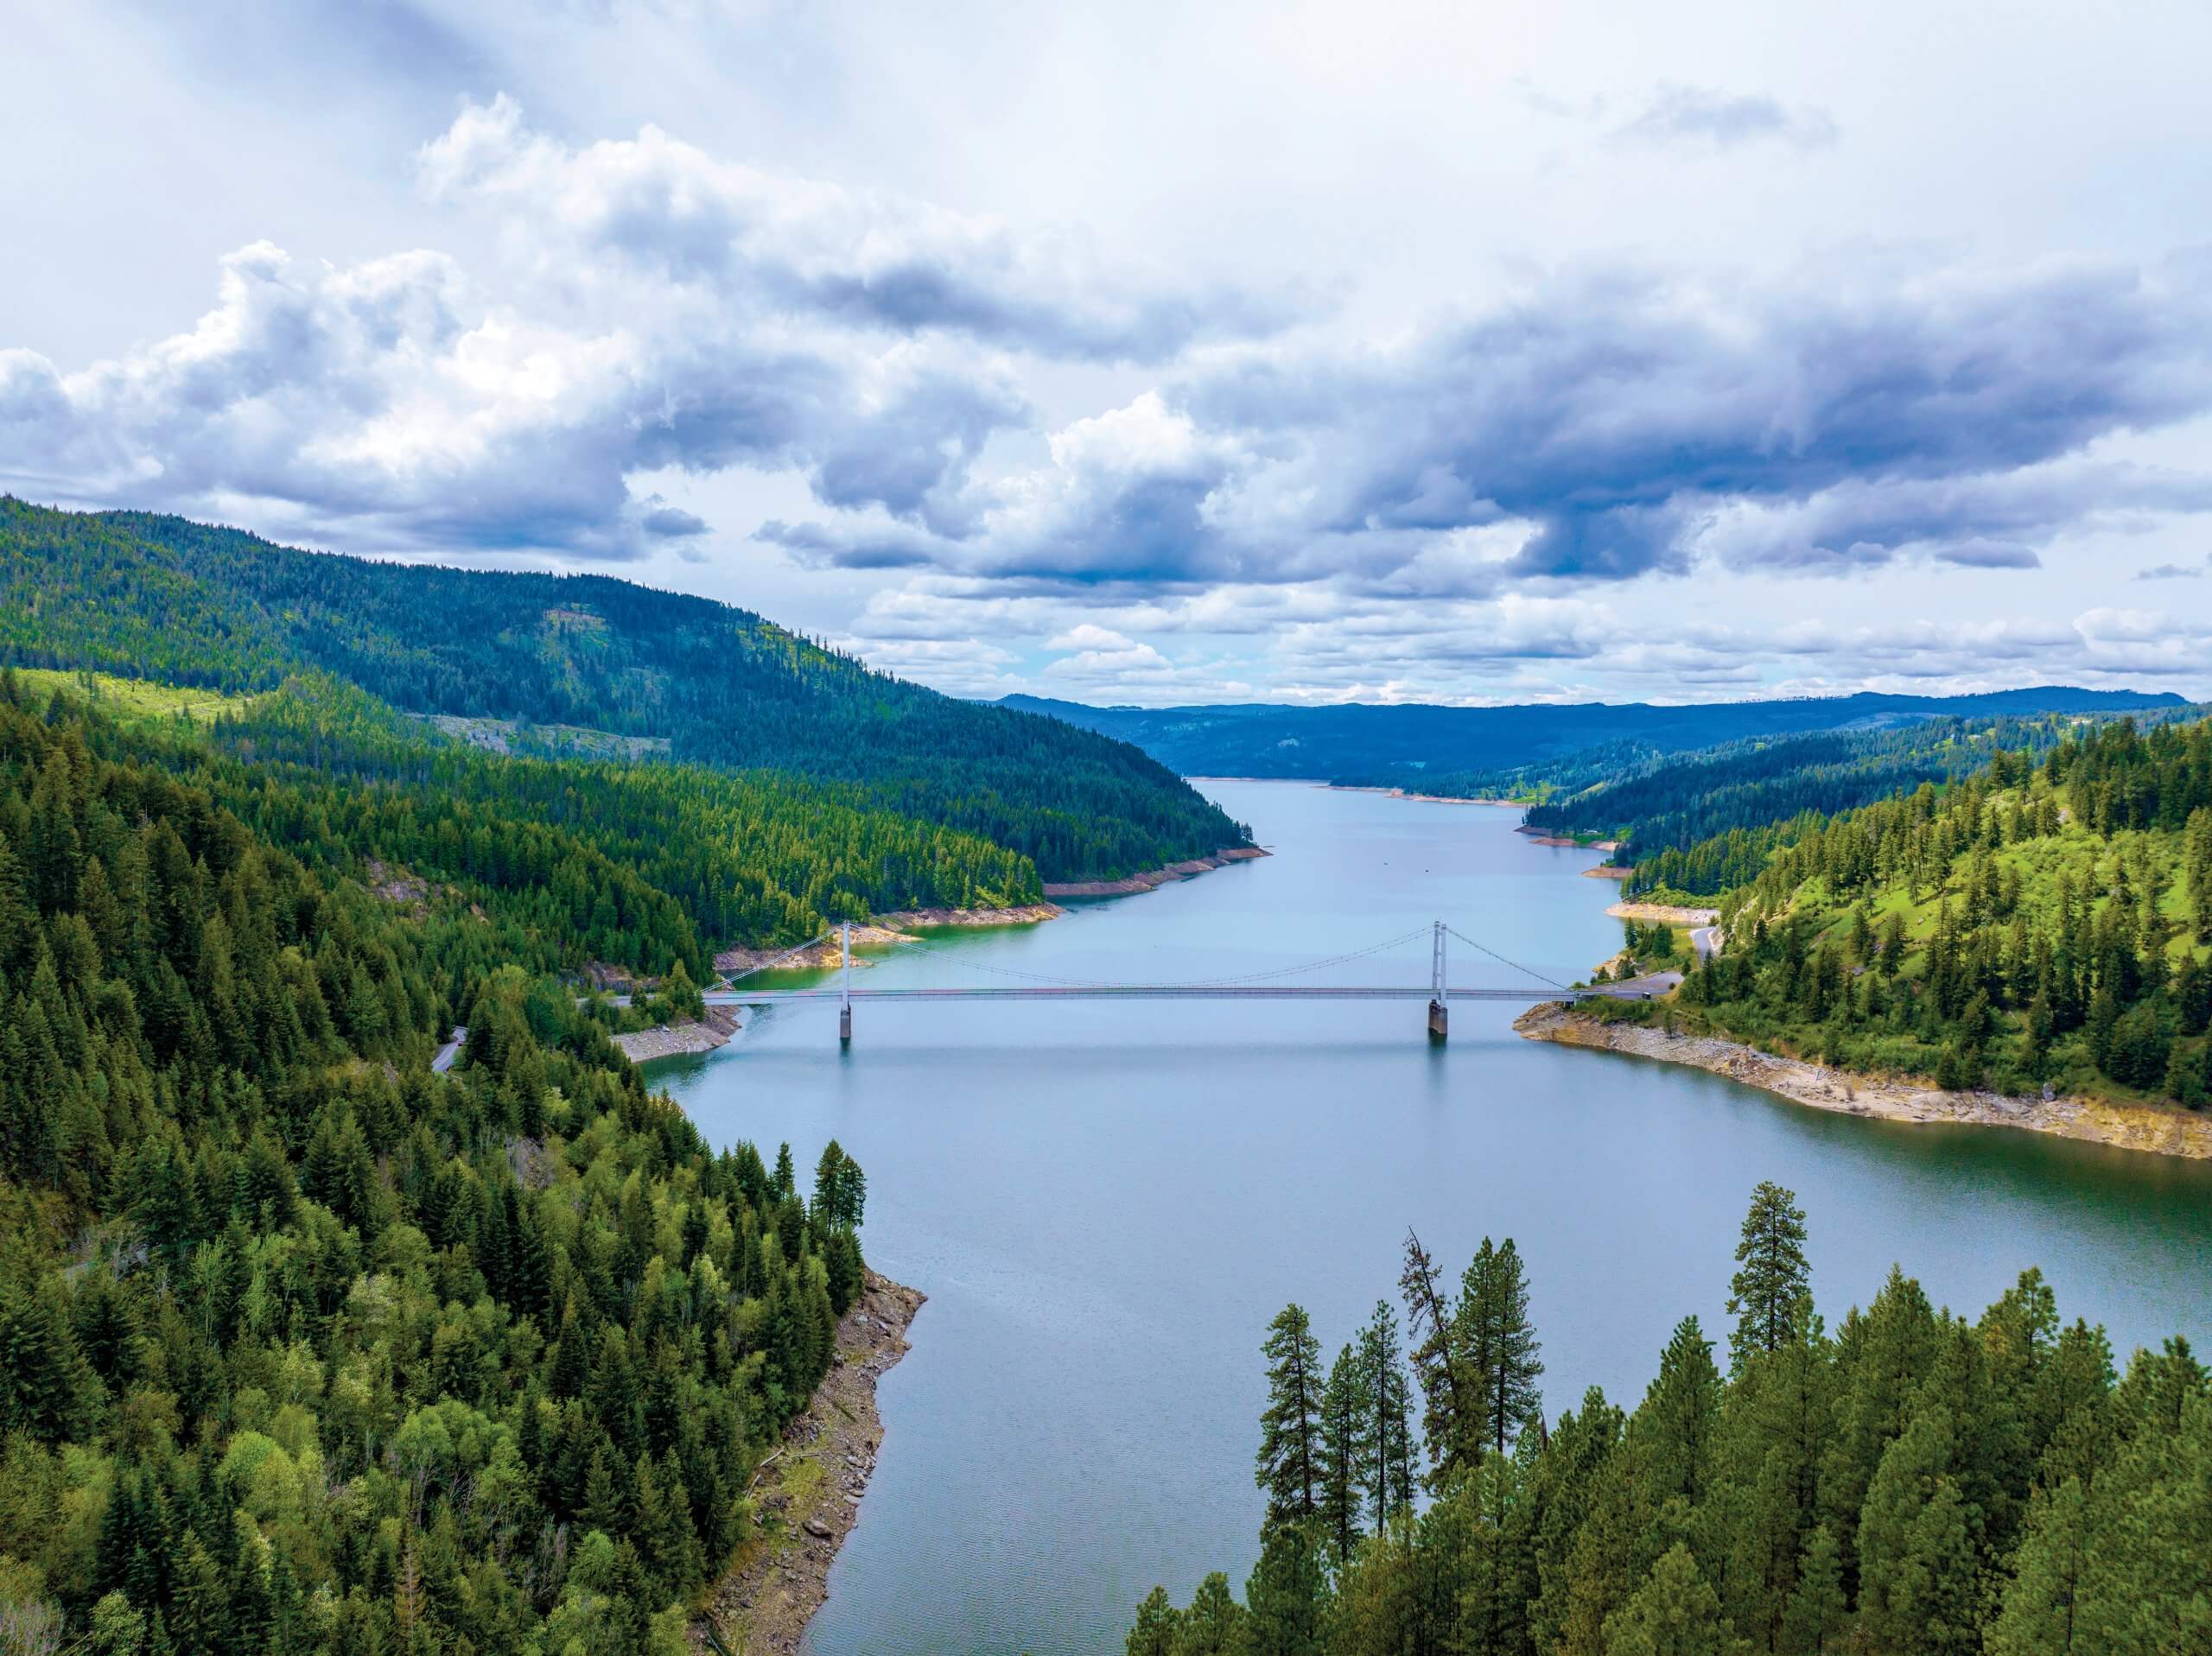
x=1614 y=425
x=1718 y=120
x=659 y=206
x=1303 y=509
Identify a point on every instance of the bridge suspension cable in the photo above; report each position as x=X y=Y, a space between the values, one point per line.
x=1485 y=948
x=770 y=964
x=1173 y=983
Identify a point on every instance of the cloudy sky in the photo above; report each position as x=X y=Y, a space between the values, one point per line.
x=1156 y=353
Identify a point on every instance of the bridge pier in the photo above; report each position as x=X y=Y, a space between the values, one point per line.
x=1439 y=1021
x=845 y=986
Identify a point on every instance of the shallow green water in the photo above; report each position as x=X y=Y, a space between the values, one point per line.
x=1107 y=1203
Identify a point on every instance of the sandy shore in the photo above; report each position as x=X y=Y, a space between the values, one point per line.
x=1155 y=878
x=805 y=1498
x=2168 y=1133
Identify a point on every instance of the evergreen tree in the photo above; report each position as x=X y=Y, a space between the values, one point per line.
x=1771 y=1276
x=1450 y=1411
x=1388 y=1409
x=1290 y=1457
x=1158 y=1624
x=1674 y=1612
x=1288 y=1593
x=1500 y=1342
x=1347 y=1431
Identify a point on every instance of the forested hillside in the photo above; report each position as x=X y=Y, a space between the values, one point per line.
x=751 y=858
x=164 y=599
x=1665 y=801
x=1914 y=1483
x=1429 y=749
x=308 y=1348
x=2040 y=923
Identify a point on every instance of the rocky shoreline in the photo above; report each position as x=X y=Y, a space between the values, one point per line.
x=2166 y=1133
x=1153 y=879
x=805 y=1497
x=883 y=930
x=1666 y=913
x=714 y=1030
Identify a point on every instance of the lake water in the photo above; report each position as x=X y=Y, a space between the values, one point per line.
x=1106 y=1203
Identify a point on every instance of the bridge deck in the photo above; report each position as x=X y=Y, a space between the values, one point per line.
x=1155 y=991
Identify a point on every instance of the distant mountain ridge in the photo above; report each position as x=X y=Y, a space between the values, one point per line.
x=164 y=599
x=1399 y=746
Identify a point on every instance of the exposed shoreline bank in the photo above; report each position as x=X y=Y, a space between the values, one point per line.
x=806 y=1496
x=714 y=1028
x=883 y=930
x=2166 y=1133
x=1154 y=879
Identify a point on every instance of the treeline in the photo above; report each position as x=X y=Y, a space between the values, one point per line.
x=758 y=858
x=1686 y=801
x=2037 y=923
x=309 y=1349
x=162 y=598
x=1914 y=1484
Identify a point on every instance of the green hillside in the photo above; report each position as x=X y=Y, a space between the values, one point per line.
x=306 y=1348
x=1654 y=803
x=181 y=603
x=2038 y=924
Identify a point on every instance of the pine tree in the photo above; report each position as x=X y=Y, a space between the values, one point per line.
x=1389 y=1410
x=1916 y=1548
x=1813 y=1623
x=1288 y=1593
x=1772 y=1275
x=1216 y=1624
x=1289 y=1456
x=2042 y=1601
x=1674 y=1612
x=1345 y=1430
x=1500 y=1342
x=1157 y=1624
x=1449 y=1409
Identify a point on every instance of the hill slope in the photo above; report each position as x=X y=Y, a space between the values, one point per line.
x=1409 y=746
x=162 y=598
x=2040 y=922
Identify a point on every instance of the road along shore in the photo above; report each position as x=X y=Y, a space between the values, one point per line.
x=805 y=1497
x=1891 y=1098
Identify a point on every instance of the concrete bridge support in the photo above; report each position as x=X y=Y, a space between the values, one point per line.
x=1440 y=1020
x=845 y=994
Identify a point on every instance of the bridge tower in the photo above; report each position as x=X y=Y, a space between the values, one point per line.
x=845 y=988
x=1440 y=1020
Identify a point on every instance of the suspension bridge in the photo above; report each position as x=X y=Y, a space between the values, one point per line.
x=1270 y=985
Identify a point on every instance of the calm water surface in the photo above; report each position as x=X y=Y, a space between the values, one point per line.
x=1106 y=1203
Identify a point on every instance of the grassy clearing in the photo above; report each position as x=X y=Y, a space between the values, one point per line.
x=137 y=701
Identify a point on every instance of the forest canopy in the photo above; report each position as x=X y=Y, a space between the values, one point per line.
x=164 y=599
x=309 y=1349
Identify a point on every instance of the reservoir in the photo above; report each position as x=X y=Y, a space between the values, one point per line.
x=1106 y=1202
